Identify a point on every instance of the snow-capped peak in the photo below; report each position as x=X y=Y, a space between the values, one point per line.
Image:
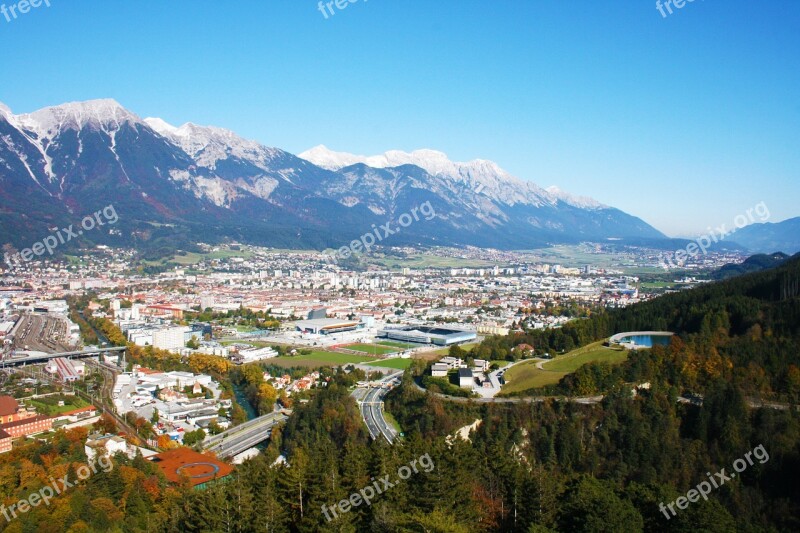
x=432 y=161
x=209 y=144
x=161 y=126
x=481 y=176
x=583 y=202
x=5 y=110
x=191 y=134
x=77 y=115
x=324 y=157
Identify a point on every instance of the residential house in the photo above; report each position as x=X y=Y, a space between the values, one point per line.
x=439 y=370
x=465 y=378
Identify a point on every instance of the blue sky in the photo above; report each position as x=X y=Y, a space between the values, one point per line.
x=685 y=121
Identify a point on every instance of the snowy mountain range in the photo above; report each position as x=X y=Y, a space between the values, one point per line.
x=480 y=175
x=191 y=183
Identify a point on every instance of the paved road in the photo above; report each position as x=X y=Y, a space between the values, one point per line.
x=494 y=379
x=244 y=436
x=371 y=404
x=590 y=400
x=372 y=412
x=23 y=359
x=584 y=399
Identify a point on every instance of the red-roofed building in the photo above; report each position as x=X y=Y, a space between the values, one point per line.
x=186 y=465
x=147 y=371
x=28 y=426
x=10 y=410
x=86 y=415
x=164 y=310
x=82 y=412
x=5 y=442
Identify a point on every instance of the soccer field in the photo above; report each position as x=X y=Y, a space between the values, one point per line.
x=372 y=349
x=320 y=358
x=400 y=364
x=396 y=344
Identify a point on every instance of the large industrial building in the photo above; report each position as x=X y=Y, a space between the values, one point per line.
x=67 y=369
x=326 y=326
x=428 y=335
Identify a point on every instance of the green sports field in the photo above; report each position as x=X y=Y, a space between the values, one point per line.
x=372 y=349
x=321 y=358
x=400 y=364
x=396 y=344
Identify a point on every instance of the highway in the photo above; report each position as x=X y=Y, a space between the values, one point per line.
x=371 y=406
x=244 y=436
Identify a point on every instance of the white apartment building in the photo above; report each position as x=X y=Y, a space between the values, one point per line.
x=170 y=338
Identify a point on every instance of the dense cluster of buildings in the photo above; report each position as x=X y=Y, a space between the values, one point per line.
x=179 y=401
x=289 y=386
x=17 y=422
x=493 y=293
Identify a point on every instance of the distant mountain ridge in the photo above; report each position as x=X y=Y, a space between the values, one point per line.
x=195 y=183
x=769 y=237
x=755 y=263
x=481 y=175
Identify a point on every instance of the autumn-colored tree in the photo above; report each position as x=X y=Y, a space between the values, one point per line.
x=165 y=443
x=106 y=424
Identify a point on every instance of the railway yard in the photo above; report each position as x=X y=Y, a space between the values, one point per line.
x=41 y=333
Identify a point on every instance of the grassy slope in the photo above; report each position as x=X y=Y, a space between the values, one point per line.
x=526 y=376
x=588 y=354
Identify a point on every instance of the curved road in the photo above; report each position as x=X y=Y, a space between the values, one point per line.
x=371 y=407
x=372 y=412
x=589 y=400
x=583 y=399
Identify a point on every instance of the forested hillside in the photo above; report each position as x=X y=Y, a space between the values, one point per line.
x=529 y=466
x=744 y=331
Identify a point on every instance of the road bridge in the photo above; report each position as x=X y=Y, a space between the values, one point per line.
x=244 y=436
x=27 y=359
